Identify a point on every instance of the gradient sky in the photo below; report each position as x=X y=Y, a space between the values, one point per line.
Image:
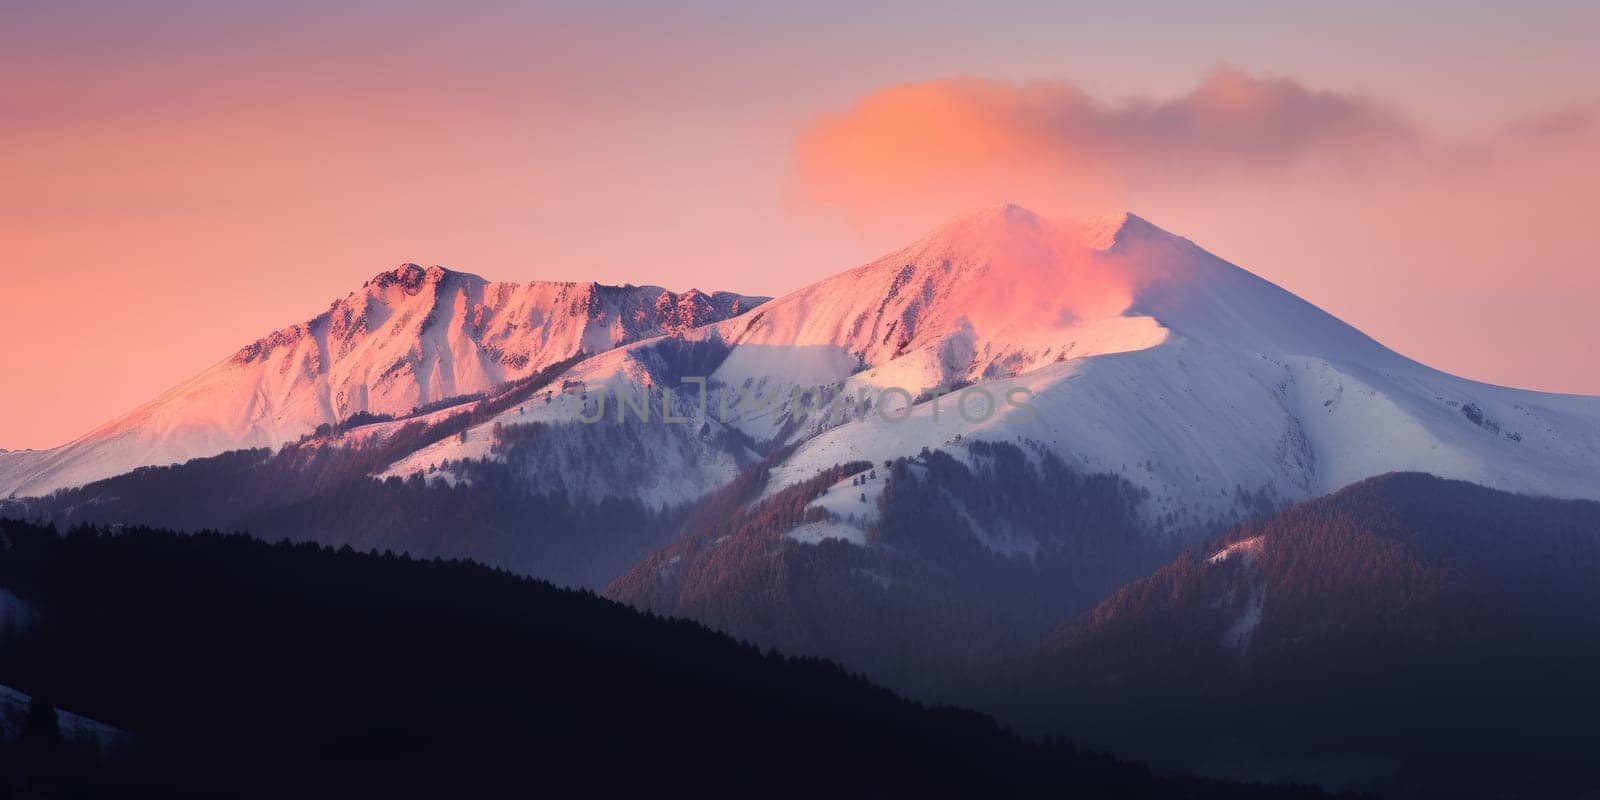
x=181 y=178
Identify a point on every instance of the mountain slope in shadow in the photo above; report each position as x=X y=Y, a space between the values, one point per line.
x=1405 y=632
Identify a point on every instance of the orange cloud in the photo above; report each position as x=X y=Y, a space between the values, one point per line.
x=1471 y=255
x=950 y=144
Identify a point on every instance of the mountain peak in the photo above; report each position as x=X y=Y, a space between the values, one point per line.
x=409 y=276
x=1107 y=231
x=1004 y=218
x=1012 y=213
x=1010 y=223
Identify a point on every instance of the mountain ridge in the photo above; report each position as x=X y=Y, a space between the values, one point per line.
x=409 y=336
x=1452 y=612
x=1134 y=346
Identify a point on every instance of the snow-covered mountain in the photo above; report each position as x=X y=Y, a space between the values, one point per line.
x=1136 y=353
x=1125 y=349
x=409 y=337
x=1144 y=356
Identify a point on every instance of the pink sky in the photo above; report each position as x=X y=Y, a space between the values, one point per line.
x=185 y=177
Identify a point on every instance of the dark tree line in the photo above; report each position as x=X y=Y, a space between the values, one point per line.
x=268 y=670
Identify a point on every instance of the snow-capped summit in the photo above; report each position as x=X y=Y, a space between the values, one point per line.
x=409 y=336
x=1005 y=291
x=993 y=293
x=1145 y=356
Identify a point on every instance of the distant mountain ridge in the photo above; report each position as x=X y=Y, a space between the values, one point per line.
x=1142 y=355
x=408 y=337
x=1405 y=629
